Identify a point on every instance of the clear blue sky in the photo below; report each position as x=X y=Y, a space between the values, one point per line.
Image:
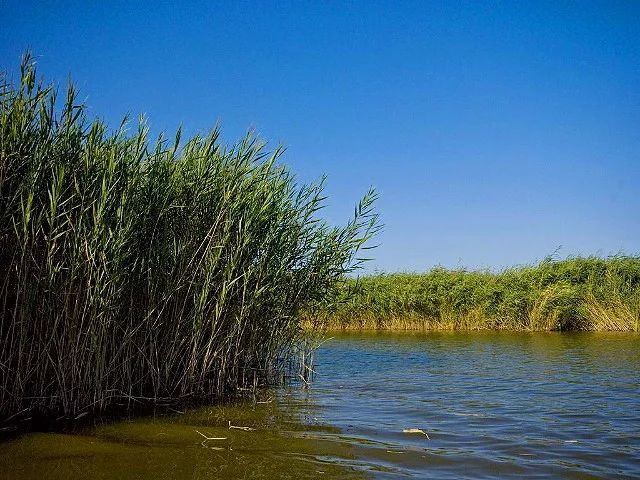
x=493 y=131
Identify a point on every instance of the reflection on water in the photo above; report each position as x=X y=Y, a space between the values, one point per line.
x=494 y=405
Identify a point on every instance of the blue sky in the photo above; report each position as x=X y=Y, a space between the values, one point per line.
x=494 y=132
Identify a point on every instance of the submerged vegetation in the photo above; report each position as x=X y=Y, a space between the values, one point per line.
x=573 y=294
x=137 y=270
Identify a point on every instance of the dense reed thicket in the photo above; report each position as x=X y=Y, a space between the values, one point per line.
x=574 y=294
x=132 y=269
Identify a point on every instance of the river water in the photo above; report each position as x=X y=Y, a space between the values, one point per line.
x=476 y=405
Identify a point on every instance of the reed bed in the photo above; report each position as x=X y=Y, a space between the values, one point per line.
x=134 y=270
x=573 y=294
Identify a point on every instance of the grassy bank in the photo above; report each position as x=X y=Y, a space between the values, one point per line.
x=134 y=270
x=574 y=294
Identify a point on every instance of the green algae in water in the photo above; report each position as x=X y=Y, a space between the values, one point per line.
x=279 y=446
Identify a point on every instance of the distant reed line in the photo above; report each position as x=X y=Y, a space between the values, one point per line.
x=593 y=294
x=136 y=270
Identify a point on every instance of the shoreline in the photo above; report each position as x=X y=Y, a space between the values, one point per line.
x=413 y=324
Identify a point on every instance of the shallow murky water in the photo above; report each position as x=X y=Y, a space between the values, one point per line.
x=492 y=405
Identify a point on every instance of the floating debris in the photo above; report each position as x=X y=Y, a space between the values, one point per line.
x=246 y=429
x=416 y=430
x=206 y=439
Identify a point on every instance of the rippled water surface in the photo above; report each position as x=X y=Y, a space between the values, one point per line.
x=492 y=405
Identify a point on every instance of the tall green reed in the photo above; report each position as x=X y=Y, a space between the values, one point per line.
x=139 y=270
x=573 y=294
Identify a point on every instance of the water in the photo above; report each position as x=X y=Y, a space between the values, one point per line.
x=494 y=405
